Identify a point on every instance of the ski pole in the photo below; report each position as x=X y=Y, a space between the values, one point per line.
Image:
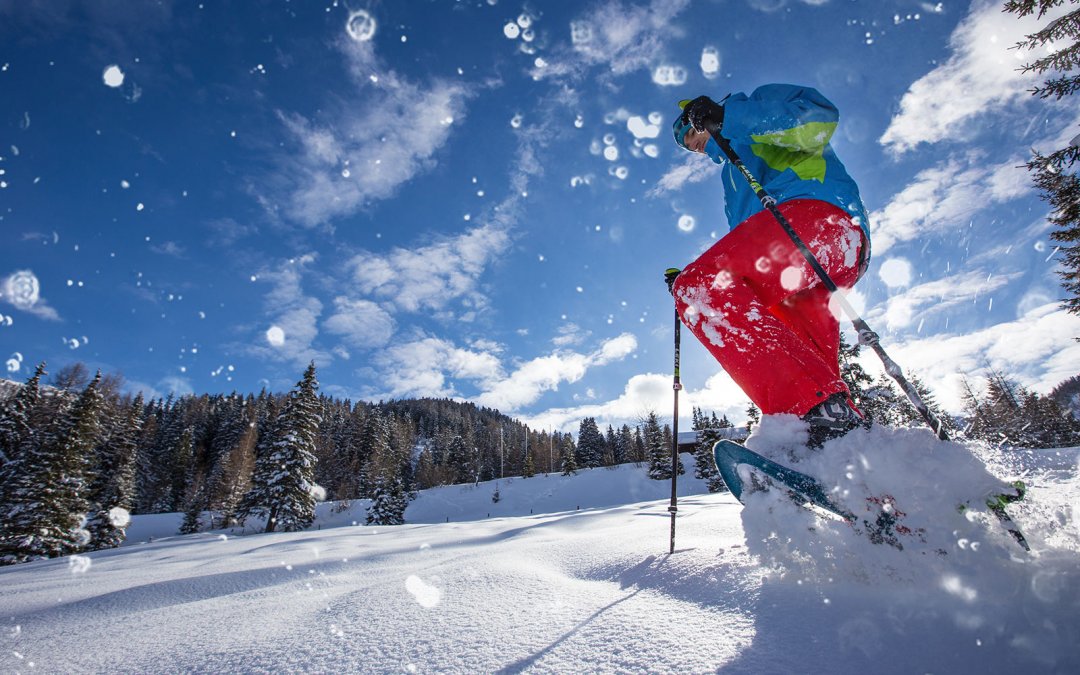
x=673 y=508
x=866 y=336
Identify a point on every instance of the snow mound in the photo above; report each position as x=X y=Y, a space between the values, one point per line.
x=904 y=486
x=946 y=550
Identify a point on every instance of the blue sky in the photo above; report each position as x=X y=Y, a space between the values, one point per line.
x=478 y=199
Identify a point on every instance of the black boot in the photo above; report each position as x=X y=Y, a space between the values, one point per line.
x=832 y=418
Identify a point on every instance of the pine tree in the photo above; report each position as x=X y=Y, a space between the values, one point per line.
x=529 y=468
x=704 y=463
x=15 y=417
x=460 y=461
x=44 y=503
x=640 y=452
x=283 y=489
x=231 y=476
x=659 y=456
x=609 y=448
x=387 y=468
x=852 y=372
x=1067 y=395
x=590 y=444
x=624 y=445
x=181 y=469
x=568 y=457
x=1060 y=41
x=196 y=503
x=753 y=416
x=112 y=493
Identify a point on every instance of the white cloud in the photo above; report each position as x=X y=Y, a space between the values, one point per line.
x=433 y=276
x=1038 y=350
x=421 y=368
x=980 y=77
x=694 y=168
x=361 y=323
x=380 y=134
x=294 y=314
x=177 y=386
x=937 y=296
x=170 y=248
x=944 y=197
x=531 y=379
x=649 y=392
x=618 y=38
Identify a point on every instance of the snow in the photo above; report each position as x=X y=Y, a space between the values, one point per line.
x=572 y=574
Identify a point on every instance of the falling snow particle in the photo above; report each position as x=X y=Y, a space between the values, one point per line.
x=113 y=76
x=22 y=289
x=669 y=76
x=687 y=223
x=511 y=30
x=275 y=336
x=710 y=62
x=119 y=517
x=360 y=26
x=79 y=564
x=641 y=128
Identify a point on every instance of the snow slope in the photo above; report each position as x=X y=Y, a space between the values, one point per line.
x=559 y=590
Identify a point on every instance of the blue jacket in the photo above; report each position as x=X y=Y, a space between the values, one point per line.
x=781 y=132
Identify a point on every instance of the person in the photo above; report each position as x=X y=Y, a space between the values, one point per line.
x=752 y=299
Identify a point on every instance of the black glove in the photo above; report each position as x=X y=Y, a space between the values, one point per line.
x=704 y=112
x=670 y=274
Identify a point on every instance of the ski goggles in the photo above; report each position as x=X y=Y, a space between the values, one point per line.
x=679 y=128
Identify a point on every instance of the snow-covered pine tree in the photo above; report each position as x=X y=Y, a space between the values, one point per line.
x=529 y=466
x=154 y=473
x=15 y=417
x=568 y=456
x=196 y=501
x=112 y=492
x=181 y=468
x=659 y=455
x=1067 y=395
x=590 y=444
x=389 y=501
x=254 y=503
x=852 y=372
x=624 y=445
x=1058 y=47
x=704 y=464
x=283 y=481
x=640 y=453
x=609 y=447
x=460 y=461
x=753 y=416
x=44 y=504
x=388 y=492
x=231 y=476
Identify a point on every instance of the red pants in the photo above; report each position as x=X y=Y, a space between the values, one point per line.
x=759 y=308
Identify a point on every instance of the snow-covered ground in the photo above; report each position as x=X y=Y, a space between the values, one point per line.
x=568 y=575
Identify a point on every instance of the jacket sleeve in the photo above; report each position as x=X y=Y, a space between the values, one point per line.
x=782 y=115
